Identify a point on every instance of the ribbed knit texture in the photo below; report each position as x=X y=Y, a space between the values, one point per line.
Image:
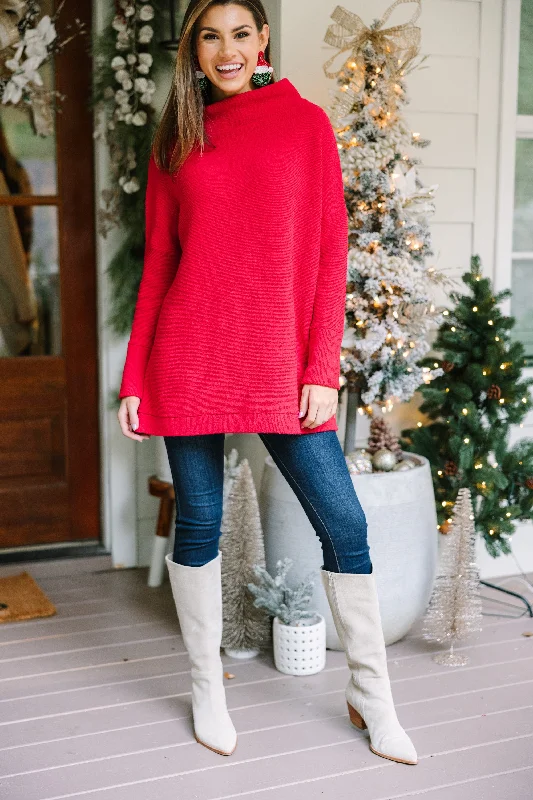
x=242 y=295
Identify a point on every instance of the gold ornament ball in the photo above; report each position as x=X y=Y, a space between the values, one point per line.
x=384 y=460
x=401 y=466
x=359 y=462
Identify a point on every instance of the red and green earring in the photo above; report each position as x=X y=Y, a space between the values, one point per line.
x=263 y=71
x=200 y=76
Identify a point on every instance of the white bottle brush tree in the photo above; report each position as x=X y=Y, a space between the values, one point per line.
x=245 y=630
x=389 y=307
x=454 y=610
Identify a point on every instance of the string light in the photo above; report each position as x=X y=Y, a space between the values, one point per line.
x=474 y=308
x=466 y=440
x=490 y=322
x=418 y=424
x=502 y=401
x=496 y=338
x=465 y=411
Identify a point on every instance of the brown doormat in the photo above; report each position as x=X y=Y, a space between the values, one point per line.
x=21 y=598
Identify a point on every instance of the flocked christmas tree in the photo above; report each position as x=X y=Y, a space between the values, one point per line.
x=389 y=308
x=454 y=611
x=471 y=408
x=245 y=628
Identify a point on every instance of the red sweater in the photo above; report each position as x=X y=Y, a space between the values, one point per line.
x=242 y=295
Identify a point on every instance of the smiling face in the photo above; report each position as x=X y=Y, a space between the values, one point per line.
x=227 y=47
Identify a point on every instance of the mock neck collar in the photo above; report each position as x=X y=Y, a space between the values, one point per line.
x=251 y=100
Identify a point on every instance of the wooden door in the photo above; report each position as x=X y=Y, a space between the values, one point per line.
x=49 y=442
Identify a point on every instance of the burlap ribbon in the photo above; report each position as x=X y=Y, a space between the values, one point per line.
x=349 y=32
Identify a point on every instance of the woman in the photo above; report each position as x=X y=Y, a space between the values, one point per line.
x=237 y=328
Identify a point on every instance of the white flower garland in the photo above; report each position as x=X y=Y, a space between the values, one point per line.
x=23 y=56
x=131 y=72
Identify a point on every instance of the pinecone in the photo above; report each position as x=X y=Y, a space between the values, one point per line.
x=450 y=468
x=494 y=392
x=447 y=366
x=529 y=483
x=381 y=436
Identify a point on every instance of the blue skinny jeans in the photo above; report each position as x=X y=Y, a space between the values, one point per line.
x=315 y=468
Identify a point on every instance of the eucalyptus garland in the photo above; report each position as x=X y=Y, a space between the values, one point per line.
x=127 y=58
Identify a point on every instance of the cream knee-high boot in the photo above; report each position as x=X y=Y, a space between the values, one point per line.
x=354 y=605
x=197 y=593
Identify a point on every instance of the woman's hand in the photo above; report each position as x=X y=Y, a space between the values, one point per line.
x=128 y=419
x=319 y=403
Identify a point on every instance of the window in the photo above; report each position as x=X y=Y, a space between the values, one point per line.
x=522 y=236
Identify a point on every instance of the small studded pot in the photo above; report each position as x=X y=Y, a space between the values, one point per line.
x=299 y=649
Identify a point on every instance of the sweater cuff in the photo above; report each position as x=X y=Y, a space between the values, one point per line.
x=134 y=368
x=323 y=366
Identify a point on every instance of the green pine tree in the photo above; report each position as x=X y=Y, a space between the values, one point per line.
x=471 y=408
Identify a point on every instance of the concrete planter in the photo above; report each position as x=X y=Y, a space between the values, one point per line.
x=402 y=533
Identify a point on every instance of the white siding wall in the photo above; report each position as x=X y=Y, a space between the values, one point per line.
x=455 y=102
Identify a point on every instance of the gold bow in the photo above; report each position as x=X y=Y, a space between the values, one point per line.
x=349 y=32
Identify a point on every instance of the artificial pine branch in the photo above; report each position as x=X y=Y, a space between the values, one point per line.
x=278 y=599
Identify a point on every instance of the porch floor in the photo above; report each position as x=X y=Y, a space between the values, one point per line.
x=95 y=703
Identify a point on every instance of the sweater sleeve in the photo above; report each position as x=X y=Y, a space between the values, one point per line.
x=327 y=323
x=161 y=257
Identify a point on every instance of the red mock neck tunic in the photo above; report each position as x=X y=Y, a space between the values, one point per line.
x=242 y=296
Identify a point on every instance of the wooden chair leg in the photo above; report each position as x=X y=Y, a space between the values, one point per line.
x=165 y=491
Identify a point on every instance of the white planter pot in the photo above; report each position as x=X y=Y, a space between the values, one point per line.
x=299 y=649
x=402 y=534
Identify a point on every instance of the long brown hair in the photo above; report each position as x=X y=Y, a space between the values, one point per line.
x=181 y=127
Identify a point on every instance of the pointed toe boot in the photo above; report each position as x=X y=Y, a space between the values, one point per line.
x=354 y=606
x=197 y=593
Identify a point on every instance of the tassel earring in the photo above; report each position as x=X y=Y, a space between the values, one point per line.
x=263 y=71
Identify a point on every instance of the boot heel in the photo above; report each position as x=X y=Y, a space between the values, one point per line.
x=356 y=718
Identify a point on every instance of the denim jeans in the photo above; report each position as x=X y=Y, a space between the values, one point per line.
x=315 y=468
